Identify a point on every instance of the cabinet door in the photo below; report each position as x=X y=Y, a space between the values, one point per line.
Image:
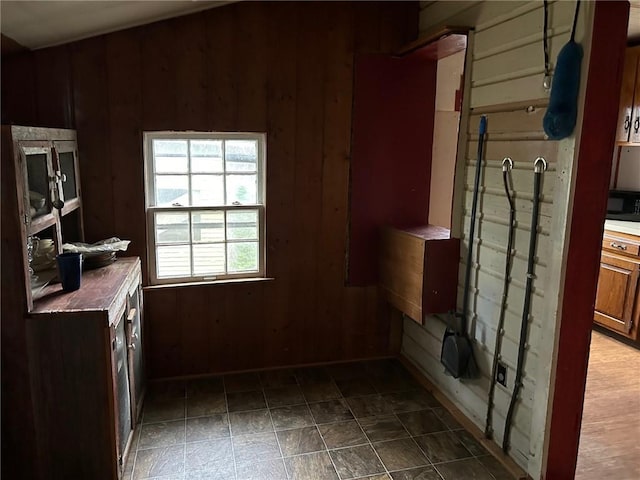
x=634 y=136
x=616 y=295
x=625 y=120
x=123 y=394
x=66 y=163
x=35 y=171
x=136 y=358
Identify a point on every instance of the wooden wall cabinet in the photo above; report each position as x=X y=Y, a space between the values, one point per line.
x=629 y=111
x=618 y=297
x=44 y=182
x=419 y=270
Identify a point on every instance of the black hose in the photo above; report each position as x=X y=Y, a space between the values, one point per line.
x=474 y=209
x=540 y=165
x=507 y=165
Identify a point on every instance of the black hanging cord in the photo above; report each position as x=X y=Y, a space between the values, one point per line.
x=540 y=166
x=507 y=165
x=575 y=21
x=545 y=37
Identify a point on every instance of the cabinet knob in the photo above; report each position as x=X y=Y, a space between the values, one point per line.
x=627 y=123
x=618 y=246
x=636 y=125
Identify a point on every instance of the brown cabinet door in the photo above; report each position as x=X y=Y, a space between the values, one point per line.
x=616 y=295
x=627 y=109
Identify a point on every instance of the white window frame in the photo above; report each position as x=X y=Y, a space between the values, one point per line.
x=151 y=208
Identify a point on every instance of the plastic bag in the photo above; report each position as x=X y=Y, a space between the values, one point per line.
x=112 y=244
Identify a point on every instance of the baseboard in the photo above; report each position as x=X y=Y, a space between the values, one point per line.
x=198 y=376
x=507 y=462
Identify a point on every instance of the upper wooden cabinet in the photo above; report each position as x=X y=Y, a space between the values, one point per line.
x=629 y=111
x=42 y=201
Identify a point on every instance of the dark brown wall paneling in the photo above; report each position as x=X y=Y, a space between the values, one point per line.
x=190 y=65
x=37 y=88
x=308 y=186
x=123 y=58
x=338 y=98
x=222 y=97
x=285 y=68
x=92 y=116
x=53 y=87
x=281 y=139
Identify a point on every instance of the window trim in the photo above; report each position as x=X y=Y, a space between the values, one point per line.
x=149 y=194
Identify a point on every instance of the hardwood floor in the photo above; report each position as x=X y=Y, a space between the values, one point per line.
x=610 y=437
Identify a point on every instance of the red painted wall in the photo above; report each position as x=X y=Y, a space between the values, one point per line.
x=585 y=239
x=394 y=106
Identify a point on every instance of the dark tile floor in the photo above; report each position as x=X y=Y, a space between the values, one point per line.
x=350 y=421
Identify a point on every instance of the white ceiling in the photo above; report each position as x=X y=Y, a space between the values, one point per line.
x=39 y=24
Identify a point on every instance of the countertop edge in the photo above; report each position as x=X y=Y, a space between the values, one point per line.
x=621 y=226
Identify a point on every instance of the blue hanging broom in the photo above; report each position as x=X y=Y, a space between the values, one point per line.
x=560 y=118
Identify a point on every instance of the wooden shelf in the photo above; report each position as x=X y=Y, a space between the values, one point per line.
x=439 y=44
x=41 y=223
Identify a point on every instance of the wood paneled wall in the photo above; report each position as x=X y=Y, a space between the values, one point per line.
x=503 y=81
x=283 y=68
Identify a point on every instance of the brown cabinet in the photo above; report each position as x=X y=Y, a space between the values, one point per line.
x=629 y=111
x=86 y=372
x=72 y=363
x=618 y=298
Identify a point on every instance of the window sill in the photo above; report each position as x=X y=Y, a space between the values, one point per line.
x=208 y=282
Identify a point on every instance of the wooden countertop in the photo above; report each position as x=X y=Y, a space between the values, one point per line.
x=630 y=228
x=99 y=291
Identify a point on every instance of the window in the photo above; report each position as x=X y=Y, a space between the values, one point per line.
x=205 y=205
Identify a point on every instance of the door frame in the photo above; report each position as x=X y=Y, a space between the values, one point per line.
x=591 y=185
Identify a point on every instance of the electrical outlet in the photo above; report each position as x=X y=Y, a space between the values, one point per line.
x=501 y=374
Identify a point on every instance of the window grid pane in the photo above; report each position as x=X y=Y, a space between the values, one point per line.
x=171 y=189
x=209 y=259
x=208 y=226
x=173 y=260
x=242 y=257
x=171 y=228
x=207 y=156
x=170 y=156
x=207 y=189
x=242 y=225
